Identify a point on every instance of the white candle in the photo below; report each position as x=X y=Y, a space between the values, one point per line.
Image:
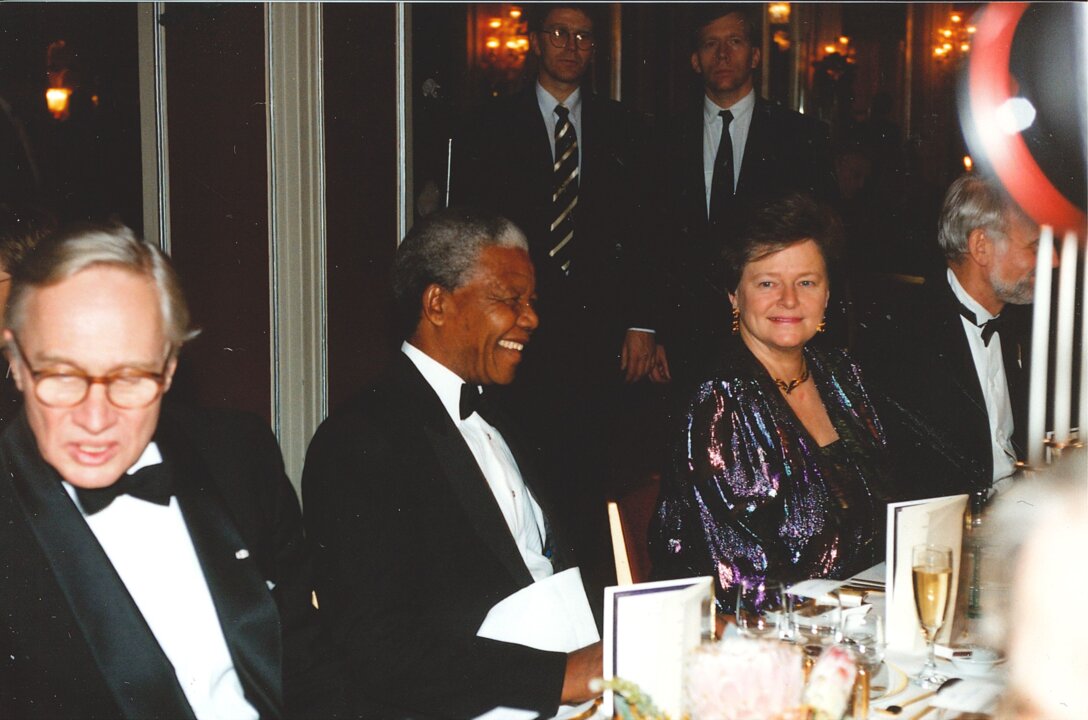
x=1040 y=332
x=1063 y=363
x=1082 y=413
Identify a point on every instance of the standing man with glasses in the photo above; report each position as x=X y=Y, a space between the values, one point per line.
x=153 y=558
x=570 y=168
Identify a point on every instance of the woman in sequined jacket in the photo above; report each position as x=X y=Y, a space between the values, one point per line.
x=777 y=469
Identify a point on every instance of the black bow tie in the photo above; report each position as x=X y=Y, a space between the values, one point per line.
x=991 y=326
x=475 y=400
x=151 y=483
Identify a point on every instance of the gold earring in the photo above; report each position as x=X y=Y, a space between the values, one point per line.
x=736 y=320
x=822 y=326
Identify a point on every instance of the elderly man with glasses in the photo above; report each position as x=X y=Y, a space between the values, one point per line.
x=153 y=560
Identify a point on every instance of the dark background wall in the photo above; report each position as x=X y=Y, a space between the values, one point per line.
x=218 y=198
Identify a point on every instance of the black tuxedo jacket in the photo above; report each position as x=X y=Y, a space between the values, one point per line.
x=412 y=552
x=505 y=166
x=926 y=389
x=74 y=643
x=784 y=152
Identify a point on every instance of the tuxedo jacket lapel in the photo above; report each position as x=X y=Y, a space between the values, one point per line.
x=133 y=666
x=245 y=608
x=754 y=145
x=954 y=350
x=460 y=469
x=694 y=176
x=536 y=144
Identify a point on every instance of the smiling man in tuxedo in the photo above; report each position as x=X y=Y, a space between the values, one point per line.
x=153 y=558
x=426 y=507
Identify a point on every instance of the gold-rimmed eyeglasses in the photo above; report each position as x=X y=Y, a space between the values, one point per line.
x=560 y=37
x=127 y=388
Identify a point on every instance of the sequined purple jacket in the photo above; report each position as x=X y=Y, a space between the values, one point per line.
x=751 y=496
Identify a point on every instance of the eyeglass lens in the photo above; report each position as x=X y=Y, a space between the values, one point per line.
x=122 y=391
x=560 y=38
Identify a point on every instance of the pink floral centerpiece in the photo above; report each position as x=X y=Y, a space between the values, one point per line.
x=744 y=679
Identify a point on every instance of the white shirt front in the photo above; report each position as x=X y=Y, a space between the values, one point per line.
x=991 y=376
x=150 y=547
x=520 y=510
x=712 y=136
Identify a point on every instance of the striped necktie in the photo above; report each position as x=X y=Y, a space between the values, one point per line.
x=721 y=186
x=564 y=189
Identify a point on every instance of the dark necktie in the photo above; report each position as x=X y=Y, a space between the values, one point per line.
x=991 y=326
x=721 y=185
x=151 y=483
x=475 y=400
x=564 y=189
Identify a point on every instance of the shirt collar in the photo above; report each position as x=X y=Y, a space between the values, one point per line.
x=742 y=107
x=981 y=313
x=445 y=382
x=548 y=102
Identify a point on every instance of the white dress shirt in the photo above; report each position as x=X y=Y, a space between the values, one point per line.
x=991 y=376
x=712 y=136
x=520 y=510
x=150 y=547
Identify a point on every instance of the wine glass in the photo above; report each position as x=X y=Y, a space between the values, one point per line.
x=760 y=608
x=815 y=623
x=931 y=567
x=863 y=633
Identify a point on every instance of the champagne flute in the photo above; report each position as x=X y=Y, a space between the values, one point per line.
x=760 y=608
x=932 y=572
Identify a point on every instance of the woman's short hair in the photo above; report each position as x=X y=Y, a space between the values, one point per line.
x=777 y=225
x=84 y=245
x=442 y=249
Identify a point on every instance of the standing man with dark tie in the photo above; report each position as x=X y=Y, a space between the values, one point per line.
x=426 y=506
x=949 y=372
x=729 y=153
x=153 y=562
x=570 y=169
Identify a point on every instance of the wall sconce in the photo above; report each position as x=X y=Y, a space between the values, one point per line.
x=779 y=13
x=841 y=47
x=59 y=91
x=505 y=40
x=954 y=39
x=56 y=99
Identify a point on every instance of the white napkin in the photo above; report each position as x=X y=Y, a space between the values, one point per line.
x=551 y=614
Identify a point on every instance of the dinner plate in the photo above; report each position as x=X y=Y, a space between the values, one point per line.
x=891 y=679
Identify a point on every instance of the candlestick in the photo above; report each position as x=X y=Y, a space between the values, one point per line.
x=1063 y=364
x=1082 y=407
x=1040 y=336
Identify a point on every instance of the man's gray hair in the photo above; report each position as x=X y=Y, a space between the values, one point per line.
x=85 y=245
x=973 y=202
x=443 y=249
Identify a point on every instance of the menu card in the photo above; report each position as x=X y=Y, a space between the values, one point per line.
x=648 y=630
x=937 y=521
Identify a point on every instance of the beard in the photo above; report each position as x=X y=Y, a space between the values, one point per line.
x=1018 y=292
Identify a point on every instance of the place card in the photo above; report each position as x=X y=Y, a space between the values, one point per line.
x=937 y=521
x=648 y=630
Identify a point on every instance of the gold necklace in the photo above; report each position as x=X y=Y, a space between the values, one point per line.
x=788 y=387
